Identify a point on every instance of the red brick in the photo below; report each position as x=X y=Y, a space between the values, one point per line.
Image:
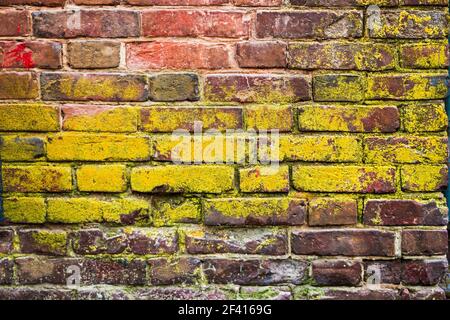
x=337 y=272
x=18 y=85
x=6 y=271
x=95 y=241
x=176 y=2
x=424 y=56
x=30 y=54
x=328 y=212
x=96 y=2
x=261 y=54
x=177 y=55
x=14 y=22
x=194 y=23
x=6 y=240
x=383 y=271
x=425 y=2
x=424 y=242
x=43 y=3
x=257 y=3
x=166 y=271
x=153 y=241
x=423 y=272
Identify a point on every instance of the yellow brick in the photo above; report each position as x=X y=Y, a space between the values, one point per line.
x=167 y=211
x=269 y=117
x=21 y=148
x=127 y=211
x=37 y=178
x=29 y=117
x=338 y=87
x=264 y=179
x=24 y=210
x=362 y=179
x=103 y=178
x=174 y=178
x=424 y=55
x=424 y=118
x=98 y=147
x=424 y=178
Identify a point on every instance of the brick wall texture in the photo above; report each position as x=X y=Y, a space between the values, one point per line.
x=92 y=90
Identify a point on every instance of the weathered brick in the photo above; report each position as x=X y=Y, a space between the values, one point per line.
x=181 y=293
x=166 y=55
x=255 y=272
x=350 y=242
x=29 y=117
x=174 y=87
x=95 y=241
x=104 y=178
x=361 y=179
x=269 y=117
x=35 y=293
x=14 y=23
x=254 y=54
x=309 y=24
x=246 y=241
x=409 y=24
x=44 y=3
x=430 y=293
x=406 y=149
x=175 y=179
x=424 y=56
x=72 y=23
x=341 y=56
x=164 y=271
x=24 y=210
x=265 y=293
x=152 y=241
x=254 y=211
x=195 y=23
x=338 y=87
x=403 y=212
x=423 y=272
x=257 y=88
x=21 y=148
x=30 y=54
x=343 y=293
x=176 y=2
x=6 y=271
x=96 y=2
x=424 y=118
x=93 y=54
x=332 y=211
x=381 y=272
x=425 y=2
x=101 y=87
x=264 y=179
x=49 y=242
x=37 y=178
x=348 y=118
x=257 y=3
x=18 y=85
x=99 y=118
x=344 y=3
x=337 y=272
x=424 y=242
x=170 y=210
x=98 y=147
x=169 y=119
x=411 y=86
x=424 y=178
x=6 y=240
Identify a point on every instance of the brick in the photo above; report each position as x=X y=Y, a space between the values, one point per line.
x=34 y=293
x=309 y=24
x=332 y=211
x=169 y=119
x=351 y=242
x=167 y=271
x=264 y=179
x=425 y=2
x=343 y=293
x=99 y=87
x=424 y=242
x=72 y=23
x=175 y=179
x=37 y=178
x=423 y=272
x=403 y=212
x=265 y=293
x=424 y=178
x=337 y=272
x=181 y=293
x=6 y=271
x=97 y=147
x=269 y=117
x=245 y=241
x=384 y=272
x=254 y=54
x=176 y=2
x=257 y=3
x=152 y=241
x=48 y=242
x=104 y=178
x=29 y=117
x=194 y=23
x=24 y=210
x=424 y=118
x=254 y=211
x=341 y=56
x=99 y=118
x=21 y=148
x=18 y=85
x=95 y=241
x=30 y=54
x=348 y=118
x=406 y=87
x=257 y=88
x=96 y=2
x=14 y=23
x=360 y=179
x=43 y=3
x=343 y=3
x=6 y=240
x=338 y=87
x=433 y=293
x=171 y=210
x=405 y=149
x=174 y=87
x=424 y=56
x=166 y=55
x=410 y=24
x=255 y=272
x=93 y=54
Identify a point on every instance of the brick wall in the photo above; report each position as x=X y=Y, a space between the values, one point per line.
x=92 y=90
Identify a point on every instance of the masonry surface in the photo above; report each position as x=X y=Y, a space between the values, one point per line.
x=91 y=91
